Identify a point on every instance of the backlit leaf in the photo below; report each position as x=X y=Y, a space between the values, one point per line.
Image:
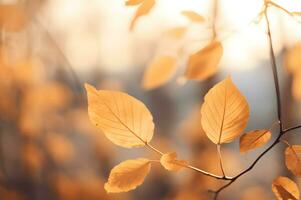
x=193 y=16
x=124 y=120
x=204 y=63
x=142 y=10
x=225 y=112
x=159 y=71
x=293 y=159
x=254 y=139
x=285 y=189
x=128 y=175
x=169 y=161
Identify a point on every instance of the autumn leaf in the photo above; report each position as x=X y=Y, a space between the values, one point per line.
x=128 y=175
x=293 y=159
x=124 y=120
x=169 y=161
x=176 y=32
x=254 y=139
x=133 y=2
x=225 y=112
x=159 y=71
x=142 y=10
x=193 y=16
x=285 y=189
x=204 y=63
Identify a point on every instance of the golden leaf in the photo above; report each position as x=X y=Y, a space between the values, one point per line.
x=254 y=139
x=159 y=71
x=176 y=32
x=124 y=120
x=296 y=86
x=143 y=9
x=285 y=189
x=293 y=159
x=225 y=112
x=193 y=16
x=128 y=175
x=204 y=63
x=133 y=2
x=292 y=59
x=169 y=161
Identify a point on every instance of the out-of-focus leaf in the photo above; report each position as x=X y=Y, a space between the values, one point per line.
x=158 y=72
x=193 y=16
x=142 y=10
x=13 y=17
x=204 y=63
x=176 y=32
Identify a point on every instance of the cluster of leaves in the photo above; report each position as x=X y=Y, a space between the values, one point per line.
x=224 y=114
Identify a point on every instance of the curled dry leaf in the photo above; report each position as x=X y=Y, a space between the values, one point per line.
x=169 y=161
x=293 y=159
x=285 y=189
x=204 y=63
x=124 y=120
x=159 y=71
x=193 y=16
x=254 y=139
x=225 y=112
x=144 y=8
x=128 y=175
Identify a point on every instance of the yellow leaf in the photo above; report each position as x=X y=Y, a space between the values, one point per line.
x=292 y=59
x=124 y=120
x=169 y=161
x=293 y=159
x=225 y=112
x=254 y=139
x=296 y=86
x=204 y=63
x=133 y=2
x=143 y=9
x=176 y=32
x=285 y=189
x=193 y=16
x=128 y=175
x=159 y=71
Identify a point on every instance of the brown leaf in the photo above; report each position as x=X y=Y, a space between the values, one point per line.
x=159 y=71
x=285 y=189
x=204 y=63
x=124 y=120
x=193 y=16
x=254 y=139
x=143 y=9
x=128 y=175
x=293 y=159
x=225 y=112
x=169 y=161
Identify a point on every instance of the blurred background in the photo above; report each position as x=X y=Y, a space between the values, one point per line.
x=49 y=150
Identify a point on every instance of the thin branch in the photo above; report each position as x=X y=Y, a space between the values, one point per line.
x=209 y=174
x=154 y=149
x=291 y=128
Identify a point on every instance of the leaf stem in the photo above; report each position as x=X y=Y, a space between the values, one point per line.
x=154 y=149
x=218 y=148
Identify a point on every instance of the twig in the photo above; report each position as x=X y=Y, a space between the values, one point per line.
x=291 y=128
